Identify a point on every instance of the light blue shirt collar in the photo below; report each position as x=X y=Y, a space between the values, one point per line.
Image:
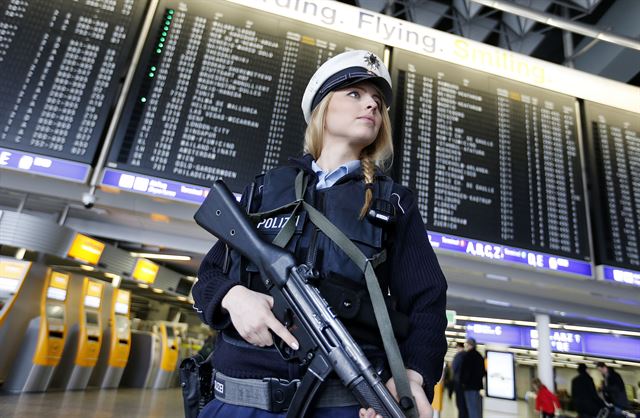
x=328 y=179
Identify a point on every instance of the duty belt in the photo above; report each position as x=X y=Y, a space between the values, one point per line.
x=274 y=395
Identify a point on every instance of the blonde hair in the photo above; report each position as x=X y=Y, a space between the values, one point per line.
x=378 y=154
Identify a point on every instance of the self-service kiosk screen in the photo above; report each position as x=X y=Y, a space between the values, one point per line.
x=122 y=308
x=56 y=294
x=92 y=318
x=122 y=326
x=217 y=94
x=92 y=301
x=170 y=333
x=55 y=311
x=490 y=158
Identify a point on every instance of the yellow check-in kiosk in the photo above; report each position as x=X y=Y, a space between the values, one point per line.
x=82 y=346
x=44 y=340
x=438 y=394
x=170 y=346
x=12 y=275
x=116 y=342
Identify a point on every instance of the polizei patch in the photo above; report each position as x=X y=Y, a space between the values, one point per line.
x=275 y=223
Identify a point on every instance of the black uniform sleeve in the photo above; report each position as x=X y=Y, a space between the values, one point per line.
x=419 y=287
x=214 y=283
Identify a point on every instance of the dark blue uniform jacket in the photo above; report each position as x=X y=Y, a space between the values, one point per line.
x=411 y=273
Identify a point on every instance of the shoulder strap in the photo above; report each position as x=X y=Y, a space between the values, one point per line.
x=373 y=286
x=379 y=308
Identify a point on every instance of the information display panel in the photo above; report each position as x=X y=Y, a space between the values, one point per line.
x=61 y=62
x=501 y=375
x=614 y=166
x=491 y=159
x=610 y=345
x=217 y=95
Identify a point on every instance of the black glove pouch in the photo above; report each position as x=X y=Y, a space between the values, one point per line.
x=352 y=304
x=196 y=376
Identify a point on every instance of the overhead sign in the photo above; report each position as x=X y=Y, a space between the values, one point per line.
x=86 y=249
x=145 y=271
x=455 y=49
x=562 y=341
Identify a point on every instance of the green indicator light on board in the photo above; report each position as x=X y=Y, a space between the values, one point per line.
x=171 y=11
x=151 y=75
x=164 y=33
x=169 y=17
x=160 y=45
x=162 y=39
x=167 y=22
x=166 y=28
x=158 y=50
x=153 y=68
x=143 y=99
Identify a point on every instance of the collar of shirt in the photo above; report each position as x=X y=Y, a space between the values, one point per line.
x=328 y=179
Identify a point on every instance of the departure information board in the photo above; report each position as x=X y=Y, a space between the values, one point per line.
x=61 y=64
x=614 y=156
x=490 y=159
x=217 y=95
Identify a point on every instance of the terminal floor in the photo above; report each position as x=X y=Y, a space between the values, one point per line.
x=141 y=403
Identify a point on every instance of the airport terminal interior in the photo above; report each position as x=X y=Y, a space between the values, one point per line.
x=516 y=124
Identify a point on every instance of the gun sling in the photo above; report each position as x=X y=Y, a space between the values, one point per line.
x=367 y=266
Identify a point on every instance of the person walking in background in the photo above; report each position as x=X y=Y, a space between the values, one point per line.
x=613 y=389
x=584 y=396
x=448 y=380
x=471 y=374
x=546 y=402
x=456 y=367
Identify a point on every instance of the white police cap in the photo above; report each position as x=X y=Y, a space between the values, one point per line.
x=343 y=70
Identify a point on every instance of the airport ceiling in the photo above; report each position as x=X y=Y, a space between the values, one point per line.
x=470 y=19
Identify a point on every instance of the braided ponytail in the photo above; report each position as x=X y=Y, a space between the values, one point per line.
x=368 y=170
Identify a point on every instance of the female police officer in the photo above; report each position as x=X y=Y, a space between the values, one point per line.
x=347 y=143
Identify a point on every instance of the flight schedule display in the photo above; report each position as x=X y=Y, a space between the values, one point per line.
x=491 y=159
x=61 y=63
x=614 y=156
x=217 y=93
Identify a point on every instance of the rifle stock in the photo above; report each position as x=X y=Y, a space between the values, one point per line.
x=221 y=216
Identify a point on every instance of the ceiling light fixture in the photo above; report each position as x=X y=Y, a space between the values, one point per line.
x=561 y=23
x=154 y=256
x=20 y=253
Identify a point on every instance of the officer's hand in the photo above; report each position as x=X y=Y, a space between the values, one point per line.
x=415 y=384
x=251 y=316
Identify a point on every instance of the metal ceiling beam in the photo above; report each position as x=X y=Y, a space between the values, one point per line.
x=617 y=63
x=561 y=23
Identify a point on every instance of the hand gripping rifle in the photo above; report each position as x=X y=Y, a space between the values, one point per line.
x=325 y=343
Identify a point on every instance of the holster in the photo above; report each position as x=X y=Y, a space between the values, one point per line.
x=196 y=376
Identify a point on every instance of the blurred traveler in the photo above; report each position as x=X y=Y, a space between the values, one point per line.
x=471 y=374
x=584 y=396
x=546 y=402
x=456 y=366
x=613 y=388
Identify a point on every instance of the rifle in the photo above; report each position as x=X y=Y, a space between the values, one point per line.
x=325 y=343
